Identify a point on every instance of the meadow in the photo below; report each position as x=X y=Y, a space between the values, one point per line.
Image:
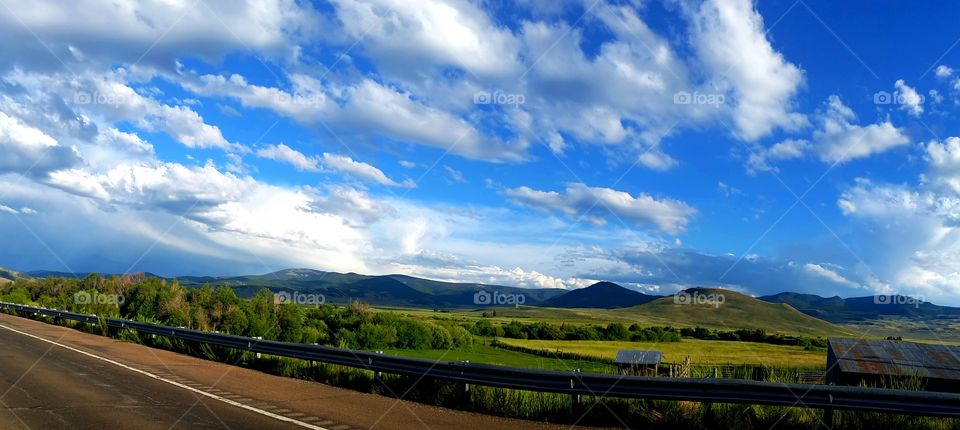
x=701 y=352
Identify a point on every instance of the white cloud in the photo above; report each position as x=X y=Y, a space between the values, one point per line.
x=908 y=98
x=911 y=236
x=290 y=156
x=125 y=104
x=455 y=175
x=839 y=140
x=657 y=160
x=366 y=107
x=362 y=170
x=8 y=209
x=831 y=275
x=27 y=150
x=944 y=160
x=595 y=203
x=728 y=190
x=764 y=159
x=402 y=34
x=943 y=71
x=730 y=39
x=149 y=32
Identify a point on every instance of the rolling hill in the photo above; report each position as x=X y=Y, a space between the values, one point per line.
x=737 y=311
x=859 y=309
x=7 y=275
x=604 y=295
x=386 y=290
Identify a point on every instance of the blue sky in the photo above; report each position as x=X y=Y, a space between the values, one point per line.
x=787 y=145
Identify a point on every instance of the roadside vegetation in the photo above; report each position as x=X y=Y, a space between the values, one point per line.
x=434 y=336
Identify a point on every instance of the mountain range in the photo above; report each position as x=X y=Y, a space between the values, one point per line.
x=614 y=300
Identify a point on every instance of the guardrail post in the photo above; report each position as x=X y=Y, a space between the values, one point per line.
x=828 y=414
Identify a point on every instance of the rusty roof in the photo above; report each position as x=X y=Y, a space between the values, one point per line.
x=889 y=357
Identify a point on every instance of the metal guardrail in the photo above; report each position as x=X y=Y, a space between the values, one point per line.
x=710 y=390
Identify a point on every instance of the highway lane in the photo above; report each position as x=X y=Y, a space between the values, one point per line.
x=69 y=389
x=43 y=386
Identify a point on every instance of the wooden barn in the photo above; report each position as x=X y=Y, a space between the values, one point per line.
x=894 y=364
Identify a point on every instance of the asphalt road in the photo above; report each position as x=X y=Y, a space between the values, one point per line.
x=43 y=386
x=87 y=381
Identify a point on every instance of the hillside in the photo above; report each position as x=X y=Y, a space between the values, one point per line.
x=860 y=309
x=7 y=275
x=735 y=311
x=604 y=295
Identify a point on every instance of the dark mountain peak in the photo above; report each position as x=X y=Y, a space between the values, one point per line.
x=599 y=295
x=604 y=285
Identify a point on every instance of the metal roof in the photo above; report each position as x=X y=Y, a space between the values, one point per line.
x=630 y=356
x=887 y=357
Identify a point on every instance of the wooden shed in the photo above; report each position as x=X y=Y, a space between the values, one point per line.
x=636 y=362
x=894 y=364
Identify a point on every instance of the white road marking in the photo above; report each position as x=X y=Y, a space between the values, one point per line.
x=176 y=384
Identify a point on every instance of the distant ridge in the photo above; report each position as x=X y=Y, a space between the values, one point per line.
x=604 y=295
x=853 y=309
x=778 y=310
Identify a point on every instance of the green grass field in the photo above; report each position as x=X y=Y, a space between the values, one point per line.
x=738 y=311
x=708 y=352
x=486 y=354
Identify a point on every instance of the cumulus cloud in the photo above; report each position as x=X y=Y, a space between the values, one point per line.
x=656 y=160
x=27 y=150
x=913 y=231
x=943 y=71
x=908 y=98
x=913 y=236
x=344 y=164
x=146 y=32
x=730 y=39
x=944 y=158
x=290 y=156
x=839 y=140
x=405 y=36
x=597 y=204
x=765 y=159
x=448 y=268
